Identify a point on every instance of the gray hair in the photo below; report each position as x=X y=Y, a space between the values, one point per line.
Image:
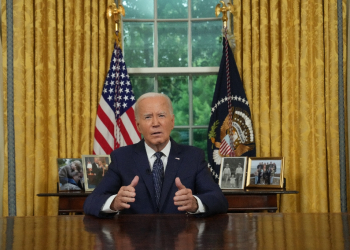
x=150 y=95
x=77 y=164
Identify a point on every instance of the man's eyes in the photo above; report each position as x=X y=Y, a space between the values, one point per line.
x=149 y=117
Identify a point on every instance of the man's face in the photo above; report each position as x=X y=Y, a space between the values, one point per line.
x=155 y=121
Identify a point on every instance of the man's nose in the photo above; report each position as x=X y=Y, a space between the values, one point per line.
x=155 y=121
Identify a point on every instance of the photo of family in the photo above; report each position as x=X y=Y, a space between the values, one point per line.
x=266 y=172
x=70 y=174
x=95 y=167
x=232 y=172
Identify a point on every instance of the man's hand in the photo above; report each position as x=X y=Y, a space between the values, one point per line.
x=184 y=198
x=125 y=195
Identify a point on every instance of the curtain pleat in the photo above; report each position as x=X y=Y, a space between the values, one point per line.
x=4 y=79
x=61 y=76
x=290 y=30
x=94 y=69
x=29 y=108
x=20 y=101
x=331 y=90
x=274 y=40
x=68 y=63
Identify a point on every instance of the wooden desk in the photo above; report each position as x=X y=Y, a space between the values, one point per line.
x=249 y=200
x=224 y=231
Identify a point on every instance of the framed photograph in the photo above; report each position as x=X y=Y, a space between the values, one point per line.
x=95 y=167
x=265 y=172
x=70 y=174
x=232 y=172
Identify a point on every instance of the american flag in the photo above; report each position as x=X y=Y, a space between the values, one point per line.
x=225 y=148
x=115 y=121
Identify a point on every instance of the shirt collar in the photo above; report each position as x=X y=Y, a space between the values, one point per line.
x=150 y=152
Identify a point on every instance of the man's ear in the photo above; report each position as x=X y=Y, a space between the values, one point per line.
x=138 y=126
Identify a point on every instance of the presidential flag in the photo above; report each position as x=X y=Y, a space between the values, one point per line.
x=115 y=121
x=230 y=131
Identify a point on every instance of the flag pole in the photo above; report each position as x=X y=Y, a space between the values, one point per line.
x=115 y=13
x=224 y=10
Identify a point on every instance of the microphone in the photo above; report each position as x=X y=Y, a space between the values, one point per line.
x=148 y=171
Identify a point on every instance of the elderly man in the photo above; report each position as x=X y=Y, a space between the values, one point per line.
x=156 y=175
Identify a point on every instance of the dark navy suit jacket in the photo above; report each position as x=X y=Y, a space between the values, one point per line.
x=185 y=162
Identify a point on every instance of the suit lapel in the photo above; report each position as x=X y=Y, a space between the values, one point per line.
x=142 y=165
x=174 y=162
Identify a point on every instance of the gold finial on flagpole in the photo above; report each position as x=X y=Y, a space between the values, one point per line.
x=114 y=12
x=224 y=10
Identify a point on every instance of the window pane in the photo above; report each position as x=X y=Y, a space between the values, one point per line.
x=172 y=9
x=200 y=140
x=203 y=92
x=172 y=44
x=206 y=44
x=141 y=85
x=139 y=9
x=181 y=136
x=138 y=44
x=204 y=8
x=177 y=90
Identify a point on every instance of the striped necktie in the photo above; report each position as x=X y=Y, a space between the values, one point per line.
x=158 y=176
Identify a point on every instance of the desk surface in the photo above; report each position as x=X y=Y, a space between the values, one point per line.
x=225 y=191
x=225 y=231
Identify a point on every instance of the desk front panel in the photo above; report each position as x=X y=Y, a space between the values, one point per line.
x=71 y=204
x=252 y=202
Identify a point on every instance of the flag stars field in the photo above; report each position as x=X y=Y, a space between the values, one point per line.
x=224 y=100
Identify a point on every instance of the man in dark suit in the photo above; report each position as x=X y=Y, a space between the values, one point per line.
x=128 y=186
x=97 y=171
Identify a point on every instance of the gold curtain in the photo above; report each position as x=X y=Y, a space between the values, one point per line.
x=287 y=55
x=61 y=55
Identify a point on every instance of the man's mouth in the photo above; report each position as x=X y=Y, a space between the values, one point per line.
x=156 y=133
